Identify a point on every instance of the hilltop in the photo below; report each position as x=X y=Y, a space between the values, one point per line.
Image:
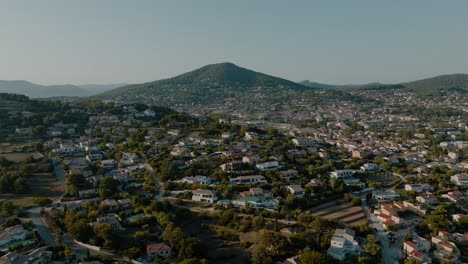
x=439 y=84
x=221 y=83
x=43 y=91
x=426 y=87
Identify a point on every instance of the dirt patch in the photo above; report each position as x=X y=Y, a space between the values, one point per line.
x=341 y=212
x=41 y=185
x=21 y=156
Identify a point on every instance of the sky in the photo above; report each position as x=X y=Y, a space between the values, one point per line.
x=330 y=41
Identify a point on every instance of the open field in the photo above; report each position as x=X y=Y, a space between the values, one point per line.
x=8 y=147
x=384 y=178
x=41 y=185
x=20 y=156
x=343 y=212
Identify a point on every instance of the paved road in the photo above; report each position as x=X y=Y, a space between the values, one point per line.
x=390 y=253
x=60 y=174
x=41 y=227
x=160 y=193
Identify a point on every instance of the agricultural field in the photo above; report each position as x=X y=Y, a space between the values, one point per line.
x=342 y=212
x=41 y=185
x=20 y=156
x=9 y=147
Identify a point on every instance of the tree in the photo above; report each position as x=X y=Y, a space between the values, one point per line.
x=190 y=248
x=75 y=182
x=8 y=208
x=106 y=234
x=42 y=201
x=21 y=185
x=372 y=247
x=258 y=222
x=313 y=257
x=81 y=231
x=273 y=242
x=132 y=253
x=260 y=256
x=173 y=235
x=108 y=187
x=356 y=201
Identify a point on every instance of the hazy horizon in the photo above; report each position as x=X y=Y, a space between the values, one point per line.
x=112 y=42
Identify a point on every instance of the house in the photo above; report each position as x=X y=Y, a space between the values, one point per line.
x=158 y=250
x=250 y=136
x=342 y=173
x=295 y=190
x=38 y=256
x=370 y=167
x=268 y=166
x=413 y=251
x=149 y=113
x=92 y=158
x=418 y=187
x=315 y=182
x=257 y=192
x=455 y=196
x=110 y=219
x=304 y=142
x=202 y=180
x=251 y=159
x=125 y=203
x=111 y=204
x=427 y=199
x=231 y=166
x=250 y=179
x=108 y=164
x=287 y=175
x=445 y=250
x=343 y=244
x=87 y=193
x=13 y=234
x=204 y=195
x=129 y=159
x=460 y=179
x=384 y=195
x=354 y=182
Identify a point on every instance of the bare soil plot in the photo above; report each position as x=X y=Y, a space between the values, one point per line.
x=383 y=178
x=342 y=212
x=41 y=185
x=20 y=156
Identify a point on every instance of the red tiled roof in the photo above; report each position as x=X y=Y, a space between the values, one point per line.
x=158 y=247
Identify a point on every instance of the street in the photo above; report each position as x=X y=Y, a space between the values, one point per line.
x=390 y=253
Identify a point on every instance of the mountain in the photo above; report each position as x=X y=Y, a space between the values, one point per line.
x=334 y=86
x=42 y=91
x=101 y=88
x=439 y=84
x=215 y=84
x=426 y=87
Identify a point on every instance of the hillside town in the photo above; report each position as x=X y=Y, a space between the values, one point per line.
x=337 y=183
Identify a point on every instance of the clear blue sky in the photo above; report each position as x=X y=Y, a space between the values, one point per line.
x=112 y=41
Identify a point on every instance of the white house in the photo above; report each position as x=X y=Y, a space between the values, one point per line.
x=204 y=195
x=250 y=179
x=460 y=179
x=384 y=195
x=203 y=180
x=342 y=173
x=343 y=244
x=267 y=166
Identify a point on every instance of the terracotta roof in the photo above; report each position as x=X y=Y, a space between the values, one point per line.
x=158 y=247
